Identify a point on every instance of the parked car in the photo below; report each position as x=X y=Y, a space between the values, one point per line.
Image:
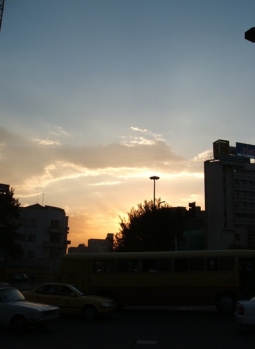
x=20 y=278
x=70 y=300
x=245 y=312
x=17 y=312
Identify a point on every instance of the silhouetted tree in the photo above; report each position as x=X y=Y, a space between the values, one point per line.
x=150 y=228
x=9 y=211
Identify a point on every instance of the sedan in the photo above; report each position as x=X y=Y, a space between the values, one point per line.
x=18 y=313
x=245 y=312
x=70 y=300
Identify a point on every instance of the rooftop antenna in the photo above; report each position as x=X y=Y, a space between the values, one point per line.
x=43 y=200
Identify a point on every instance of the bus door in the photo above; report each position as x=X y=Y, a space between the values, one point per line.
x=247 y=277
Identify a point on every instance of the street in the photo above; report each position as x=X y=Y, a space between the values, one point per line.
x=191 y=329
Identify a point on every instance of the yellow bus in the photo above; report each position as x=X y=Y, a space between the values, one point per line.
x=181 y=278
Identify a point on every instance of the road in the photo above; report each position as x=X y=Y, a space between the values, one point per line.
x=154 y=329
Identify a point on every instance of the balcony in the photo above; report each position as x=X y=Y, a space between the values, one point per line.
x=58 y=245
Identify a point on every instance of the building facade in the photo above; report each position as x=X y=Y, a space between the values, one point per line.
x=42 y=232
x=229 y=179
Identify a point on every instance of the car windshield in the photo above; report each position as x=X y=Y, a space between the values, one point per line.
x=11 y=295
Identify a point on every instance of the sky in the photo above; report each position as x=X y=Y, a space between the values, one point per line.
x=96 y=96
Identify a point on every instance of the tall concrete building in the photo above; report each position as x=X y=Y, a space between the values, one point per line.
x=229 y=179
x=42 y=233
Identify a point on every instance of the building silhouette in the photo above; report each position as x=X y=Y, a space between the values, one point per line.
x=95 y=245
x=229 y=179
x=42 y=232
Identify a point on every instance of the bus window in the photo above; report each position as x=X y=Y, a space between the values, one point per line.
x=196 y=264
x=98 y=266
x=103 y=266
x=226 y=264
x=149 y=265
x=164 y=265
x=181 y=264
x=127 y=266
x=108 y=266
x=212 y=264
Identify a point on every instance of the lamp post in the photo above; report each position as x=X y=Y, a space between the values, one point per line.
x=154 y=178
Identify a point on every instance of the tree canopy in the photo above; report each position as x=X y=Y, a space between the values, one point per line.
x=9 y=211
x=150 y=228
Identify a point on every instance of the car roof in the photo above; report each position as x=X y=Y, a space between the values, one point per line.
x=5 y=288
x=55 y=283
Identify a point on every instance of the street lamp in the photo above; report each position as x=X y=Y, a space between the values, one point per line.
x=250 y=35
x=154 y=178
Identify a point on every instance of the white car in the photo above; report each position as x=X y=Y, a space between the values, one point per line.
x=17 y=312
x=245 y=312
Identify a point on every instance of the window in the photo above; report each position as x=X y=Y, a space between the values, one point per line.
x=181 y=264
x=212 y=264
x=20 y=237
x=45 y=289
x=63 y=291
x=32 y=222
x=31 y=238
x=226 y=264
x=21 y=221
x=196 y=264
x=127 y=266
x=149 y=265
x=98 y=267
x=164 y=265
x=103 y=266
x=30 y=254
x=55 y=224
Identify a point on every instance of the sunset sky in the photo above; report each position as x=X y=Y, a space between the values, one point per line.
x=96 y=96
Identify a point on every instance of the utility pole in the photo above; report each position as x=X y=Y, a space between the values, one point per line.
x=1 y=12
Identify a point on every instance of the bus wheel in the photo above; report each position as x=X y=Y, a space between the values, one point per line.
x=225 y=303
x=89 y=312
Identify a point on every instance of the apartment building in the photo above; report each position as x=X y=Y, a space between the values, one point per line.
x=42 y=233
x=229 y=179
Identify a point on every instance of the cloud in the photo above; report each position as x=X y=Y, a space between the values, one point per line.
x=107 y=183
x=47 y=142
x=139 y=130
x=148 y=138
x=28 y=164
x=206 y=155
x=57 y=130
